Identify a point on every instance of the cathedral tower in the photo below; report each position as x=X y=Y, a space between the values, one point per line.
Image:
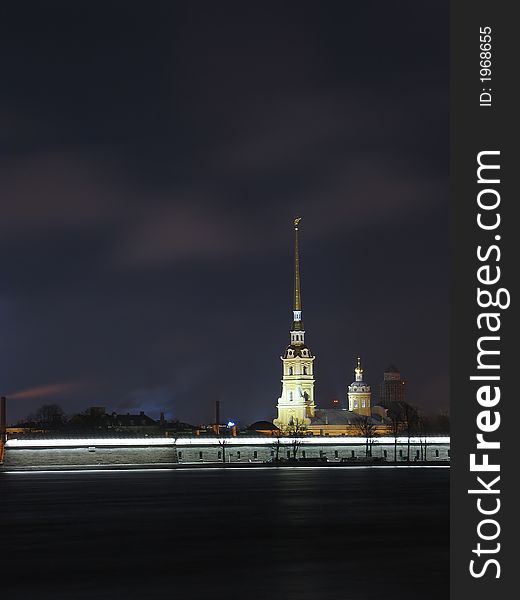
x=359 y=393
x=296 y=404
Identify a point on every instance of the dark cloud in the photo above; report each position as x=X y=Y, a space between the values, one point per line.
x=151 y=161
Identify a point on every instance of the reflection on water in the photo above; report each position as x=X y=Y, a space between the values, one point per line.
x=255 y=534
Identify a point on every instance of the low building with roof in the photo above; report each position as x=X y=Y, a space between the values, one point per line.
x=340 y=421
x=263 y=428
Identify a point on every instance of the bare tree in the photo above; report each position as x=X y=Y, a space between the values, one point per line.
x=277 y=446
x=410 y=418
x=404 y=419
x=422 y=430
x=50 y=416
x=297 y=430
x=223 y=443
x=90 y=420
x=175 y=449
x=366 y=427
x=395 y=414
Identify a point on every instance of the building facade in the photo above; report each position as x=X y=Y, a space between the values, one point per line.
x=392 y=388
x=296 y=404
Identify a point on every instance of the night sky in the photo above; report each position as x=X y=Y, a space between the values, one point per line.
x=153 y=156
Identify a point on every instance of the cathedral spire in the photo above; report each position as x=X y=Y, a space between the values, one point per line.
x=296 y=405
x=297 y=308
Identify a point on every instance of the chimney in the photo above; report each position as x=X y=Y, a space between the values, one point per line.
x=3 y=419
x=161 y=418
x=217 y=413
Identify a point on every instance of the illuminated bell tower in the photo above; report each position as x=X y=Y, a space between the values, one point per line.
x=359 y=393
x=296 y=404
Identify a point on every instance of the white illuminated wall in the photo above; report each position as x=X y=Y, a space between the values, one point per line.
x=149 y=452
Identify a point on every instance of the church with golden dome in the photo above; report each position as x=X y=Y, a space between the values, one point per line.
x=296 y=407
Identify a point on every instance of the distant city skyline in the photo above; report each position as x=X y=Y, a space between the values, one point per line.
x=151 y=165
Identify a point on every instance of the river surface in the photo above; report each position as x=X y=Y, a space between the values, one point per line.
x=257 y=534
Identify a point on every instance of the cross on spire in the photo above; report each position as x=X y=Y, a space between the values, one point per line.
x=359 y=370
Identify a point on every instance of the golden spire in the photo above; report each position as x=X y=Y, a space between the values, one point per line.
x=297 y=290
x=297 y=308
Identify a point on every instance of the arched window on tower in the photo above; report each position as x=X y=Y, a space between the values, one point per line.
x=305 y=369
x=290 y=370
x=290 y=396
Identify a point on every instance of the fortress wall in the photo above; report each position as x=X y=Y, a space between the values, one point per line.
x=331 y=452
x=47 y=457
x=16 y=457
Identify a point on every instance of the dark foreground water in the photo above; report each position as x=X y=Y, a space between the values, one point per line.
x=301 y=534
